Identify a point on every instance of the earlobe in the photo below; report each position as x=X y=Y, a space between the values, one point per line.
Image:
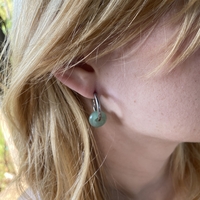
x=80 y=79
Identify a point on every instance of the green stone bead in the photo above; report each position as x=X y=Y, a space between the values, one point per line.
x=93 y=119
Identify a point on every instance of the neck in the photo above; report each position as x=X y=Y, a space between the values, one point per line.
x=136 y=165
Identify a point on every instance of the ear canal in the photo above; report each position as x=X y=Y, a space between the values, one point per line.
x=86 y=67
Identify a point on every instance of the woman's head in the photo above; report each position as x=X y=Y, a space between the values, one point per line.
x=48 y=119
x=72 y=30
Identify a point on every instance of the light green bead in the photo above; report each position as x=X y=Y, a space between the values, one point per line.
x=93 y=119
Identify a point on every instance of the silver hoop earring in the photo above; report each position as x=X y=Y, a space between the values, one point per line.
x=98 y=117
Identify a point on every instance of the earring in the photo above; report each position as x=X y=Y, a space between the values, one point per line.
x=97 y=118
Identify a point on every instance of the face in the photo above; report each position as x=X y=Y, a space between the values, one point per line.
x=165 y=106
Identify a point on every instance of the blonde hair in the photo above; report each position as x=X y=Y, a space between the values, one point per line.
x=58 y=154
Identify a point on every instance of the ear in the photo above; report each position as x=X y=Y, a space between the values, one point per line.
x=80 y=78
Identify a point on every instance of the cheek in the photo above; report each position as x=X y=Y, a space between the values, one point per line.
x=163 y=107
x=166 y=108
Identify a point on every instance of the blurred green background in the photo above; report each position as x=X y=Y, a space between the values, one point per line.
x=6 y=167
x=6 y=14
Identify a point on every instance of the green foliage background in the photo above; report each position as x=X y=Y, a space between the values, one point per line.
x=5 y=160
x=5 y=163
x=6 y=13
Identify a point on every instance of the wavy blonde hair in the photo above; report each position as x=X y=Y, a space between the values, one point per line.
x=58 y=155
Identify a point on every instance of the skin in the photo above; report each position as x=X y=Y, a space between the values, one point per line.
x=147 y=117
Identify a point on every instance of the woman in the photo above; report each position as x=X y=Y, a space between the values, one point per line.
x=139 y=61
